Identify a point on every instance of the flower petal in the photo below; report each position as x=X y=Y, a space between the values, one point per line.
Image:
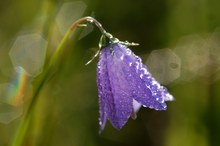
x=145 y=89
x=121 y=109
x=124 y=84
x=136 y=107
x=104 y=89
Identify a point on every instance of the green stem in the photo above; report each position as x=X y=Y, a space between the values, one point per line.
x=24 y=125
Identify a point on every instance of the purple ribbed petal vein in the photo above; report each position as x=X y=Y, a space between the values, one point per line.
x=122 y=79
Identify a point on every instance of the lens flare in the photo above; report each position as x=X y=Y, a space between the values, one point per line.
x=14 y=91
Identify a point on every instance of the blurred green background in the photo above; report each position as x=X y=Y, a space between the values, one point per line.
x=66 y=112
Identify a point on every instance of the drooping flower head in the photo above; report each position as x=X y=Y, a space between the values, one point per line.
x=124 y=84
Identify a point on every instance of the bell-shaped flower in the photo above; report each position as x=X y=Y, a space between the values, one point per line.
x=124 y=85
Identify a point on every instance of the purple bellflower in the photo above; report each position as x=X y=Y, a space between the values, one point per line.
x=124 y=84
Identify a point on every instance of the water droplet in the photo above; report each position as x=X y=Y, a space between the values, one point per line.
x=128 y=51
x=122 y=57
x=138 y=59
x=164 y=105
x=141 y=75
x=143 y=70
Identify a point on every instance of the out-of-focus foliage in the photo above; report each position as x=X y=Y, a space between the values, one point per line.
x=66 y=112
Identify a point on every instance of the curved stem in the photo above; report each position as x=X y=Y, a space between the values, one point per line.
x=90 y=19
x=70 y=30
x=23 y=127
